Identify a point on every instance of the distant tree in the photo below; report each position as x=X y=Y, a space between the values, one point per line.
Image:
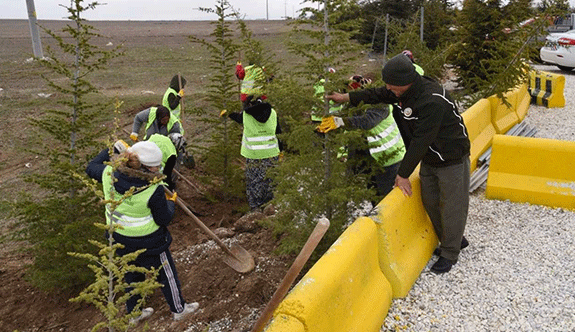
x=438 y=19
x=58 y=218
x=488 y=60
x=373 y=23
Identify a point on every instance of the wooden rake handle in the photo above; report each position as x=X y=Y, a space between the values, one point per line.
x=312 y=242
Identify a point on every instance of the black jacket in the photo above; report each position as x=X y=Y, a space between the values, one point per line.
x=162 y=209
x=430 y=125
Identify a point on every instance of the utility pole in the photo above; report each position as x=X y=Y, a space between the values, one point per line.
x=421 y=26
x=36 y=43
x=267 y=12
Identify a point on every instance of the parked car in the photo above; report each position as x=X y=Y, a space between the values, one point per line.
x=559 y=50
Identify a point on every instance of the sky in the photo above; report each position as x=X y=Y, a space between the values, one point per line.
x=157 y=10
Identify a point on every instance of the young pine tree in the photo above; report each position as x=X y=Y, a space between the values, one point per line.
x=58 y=218
x=221 y=151
x=312 y=182
x=108 y=291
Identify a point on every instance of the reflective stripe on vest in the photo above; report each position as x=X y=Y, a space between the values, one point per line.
x=259 y=140
x=385 y=143
x=152 y=118
x=133 y=214
x=253 y=75
x=166 y=103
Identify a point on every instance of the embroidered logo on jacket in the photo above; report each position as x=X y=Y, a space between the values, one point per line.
x=408 y=111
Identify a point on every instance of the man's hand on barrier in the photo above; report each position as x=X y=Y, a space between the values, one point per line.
x=404 y=185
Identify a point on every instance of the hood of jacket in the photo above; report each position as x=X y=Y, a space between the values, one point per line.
x=175 y=83
x=128 y=177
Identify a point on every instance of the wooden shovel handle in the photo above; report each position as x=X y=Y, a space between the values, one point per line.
x=205 y=228
x=314 y=238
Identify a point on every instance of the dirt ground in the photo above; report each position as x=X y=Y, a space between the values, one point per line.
x=229 y=301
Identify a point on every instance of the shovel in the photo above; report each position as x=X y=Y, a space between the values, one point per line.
x=237 y=257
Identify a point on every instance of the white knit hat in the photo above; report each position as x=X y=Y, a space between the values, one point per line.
x=148 y=153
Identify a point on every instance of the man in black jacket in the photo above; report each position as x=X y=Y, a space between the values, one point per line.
x=435 y=135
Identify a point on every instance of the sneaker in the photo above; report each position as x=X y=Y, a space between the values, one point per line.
x=464 y=244
x=146 y=312
x=442 y=265
x=188 y=309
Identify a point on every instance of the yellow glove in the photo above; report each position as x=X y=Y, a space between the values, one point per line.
x=239 y=63
x=134 y=137
x=181 y=93
x=281 y=157
x=330 y=123
x=173 y=197
x=223 y=112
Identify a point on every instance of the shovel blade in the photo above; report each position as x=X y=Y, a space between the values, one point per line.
x=240 y=260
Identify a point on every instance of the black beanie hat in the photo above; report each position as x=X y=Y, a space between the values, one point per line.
x=399 y=71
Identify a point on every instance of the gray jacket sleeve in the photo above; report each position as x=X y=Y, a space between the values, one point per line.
x=370 y=119
x=176 y=128
x=140 y=119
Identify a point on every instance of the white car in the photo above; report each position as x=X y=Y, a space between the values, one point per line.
x=559 y=50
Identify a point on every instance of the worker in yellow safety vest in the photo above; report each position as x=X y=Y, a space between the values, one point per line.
x=143 y=216
x=260 y=147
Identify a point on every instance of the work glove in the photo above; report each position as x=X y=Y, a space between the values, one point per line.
x=181 y=93
x=330 y=123
x=239 y=63
x=173 y=197
x=120 y=146
x=223 y=113
x=134 y=137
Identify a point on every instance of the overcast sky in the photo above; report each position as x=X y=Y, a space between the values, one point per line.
x=170 y=10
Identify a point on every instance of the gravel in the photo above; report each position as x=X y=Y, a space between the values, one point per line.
x=518 y=274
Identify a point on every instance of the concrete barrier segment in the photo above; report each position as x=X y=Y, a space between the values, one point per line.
x=477 y=119
x=533 y=170
x=546 y=89
x=285 y=323
x=522 y=101
x=406 y=237
x=345 y=289
x=503 y=115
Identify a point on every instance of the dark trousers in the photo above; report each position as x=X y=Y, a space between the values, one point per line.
x=168 y=277
x=170 y=174
x=445 y=197
x=384 y=180
x=259 y=189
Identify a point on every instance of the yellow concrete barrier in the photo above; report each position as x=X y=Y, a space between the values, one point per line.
x=503 y=116
x=533 y=170
x=285 y=323
x=406 y=237
x=477 y=119
x=522 y=101
x=345 y=290
x=546 y=89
